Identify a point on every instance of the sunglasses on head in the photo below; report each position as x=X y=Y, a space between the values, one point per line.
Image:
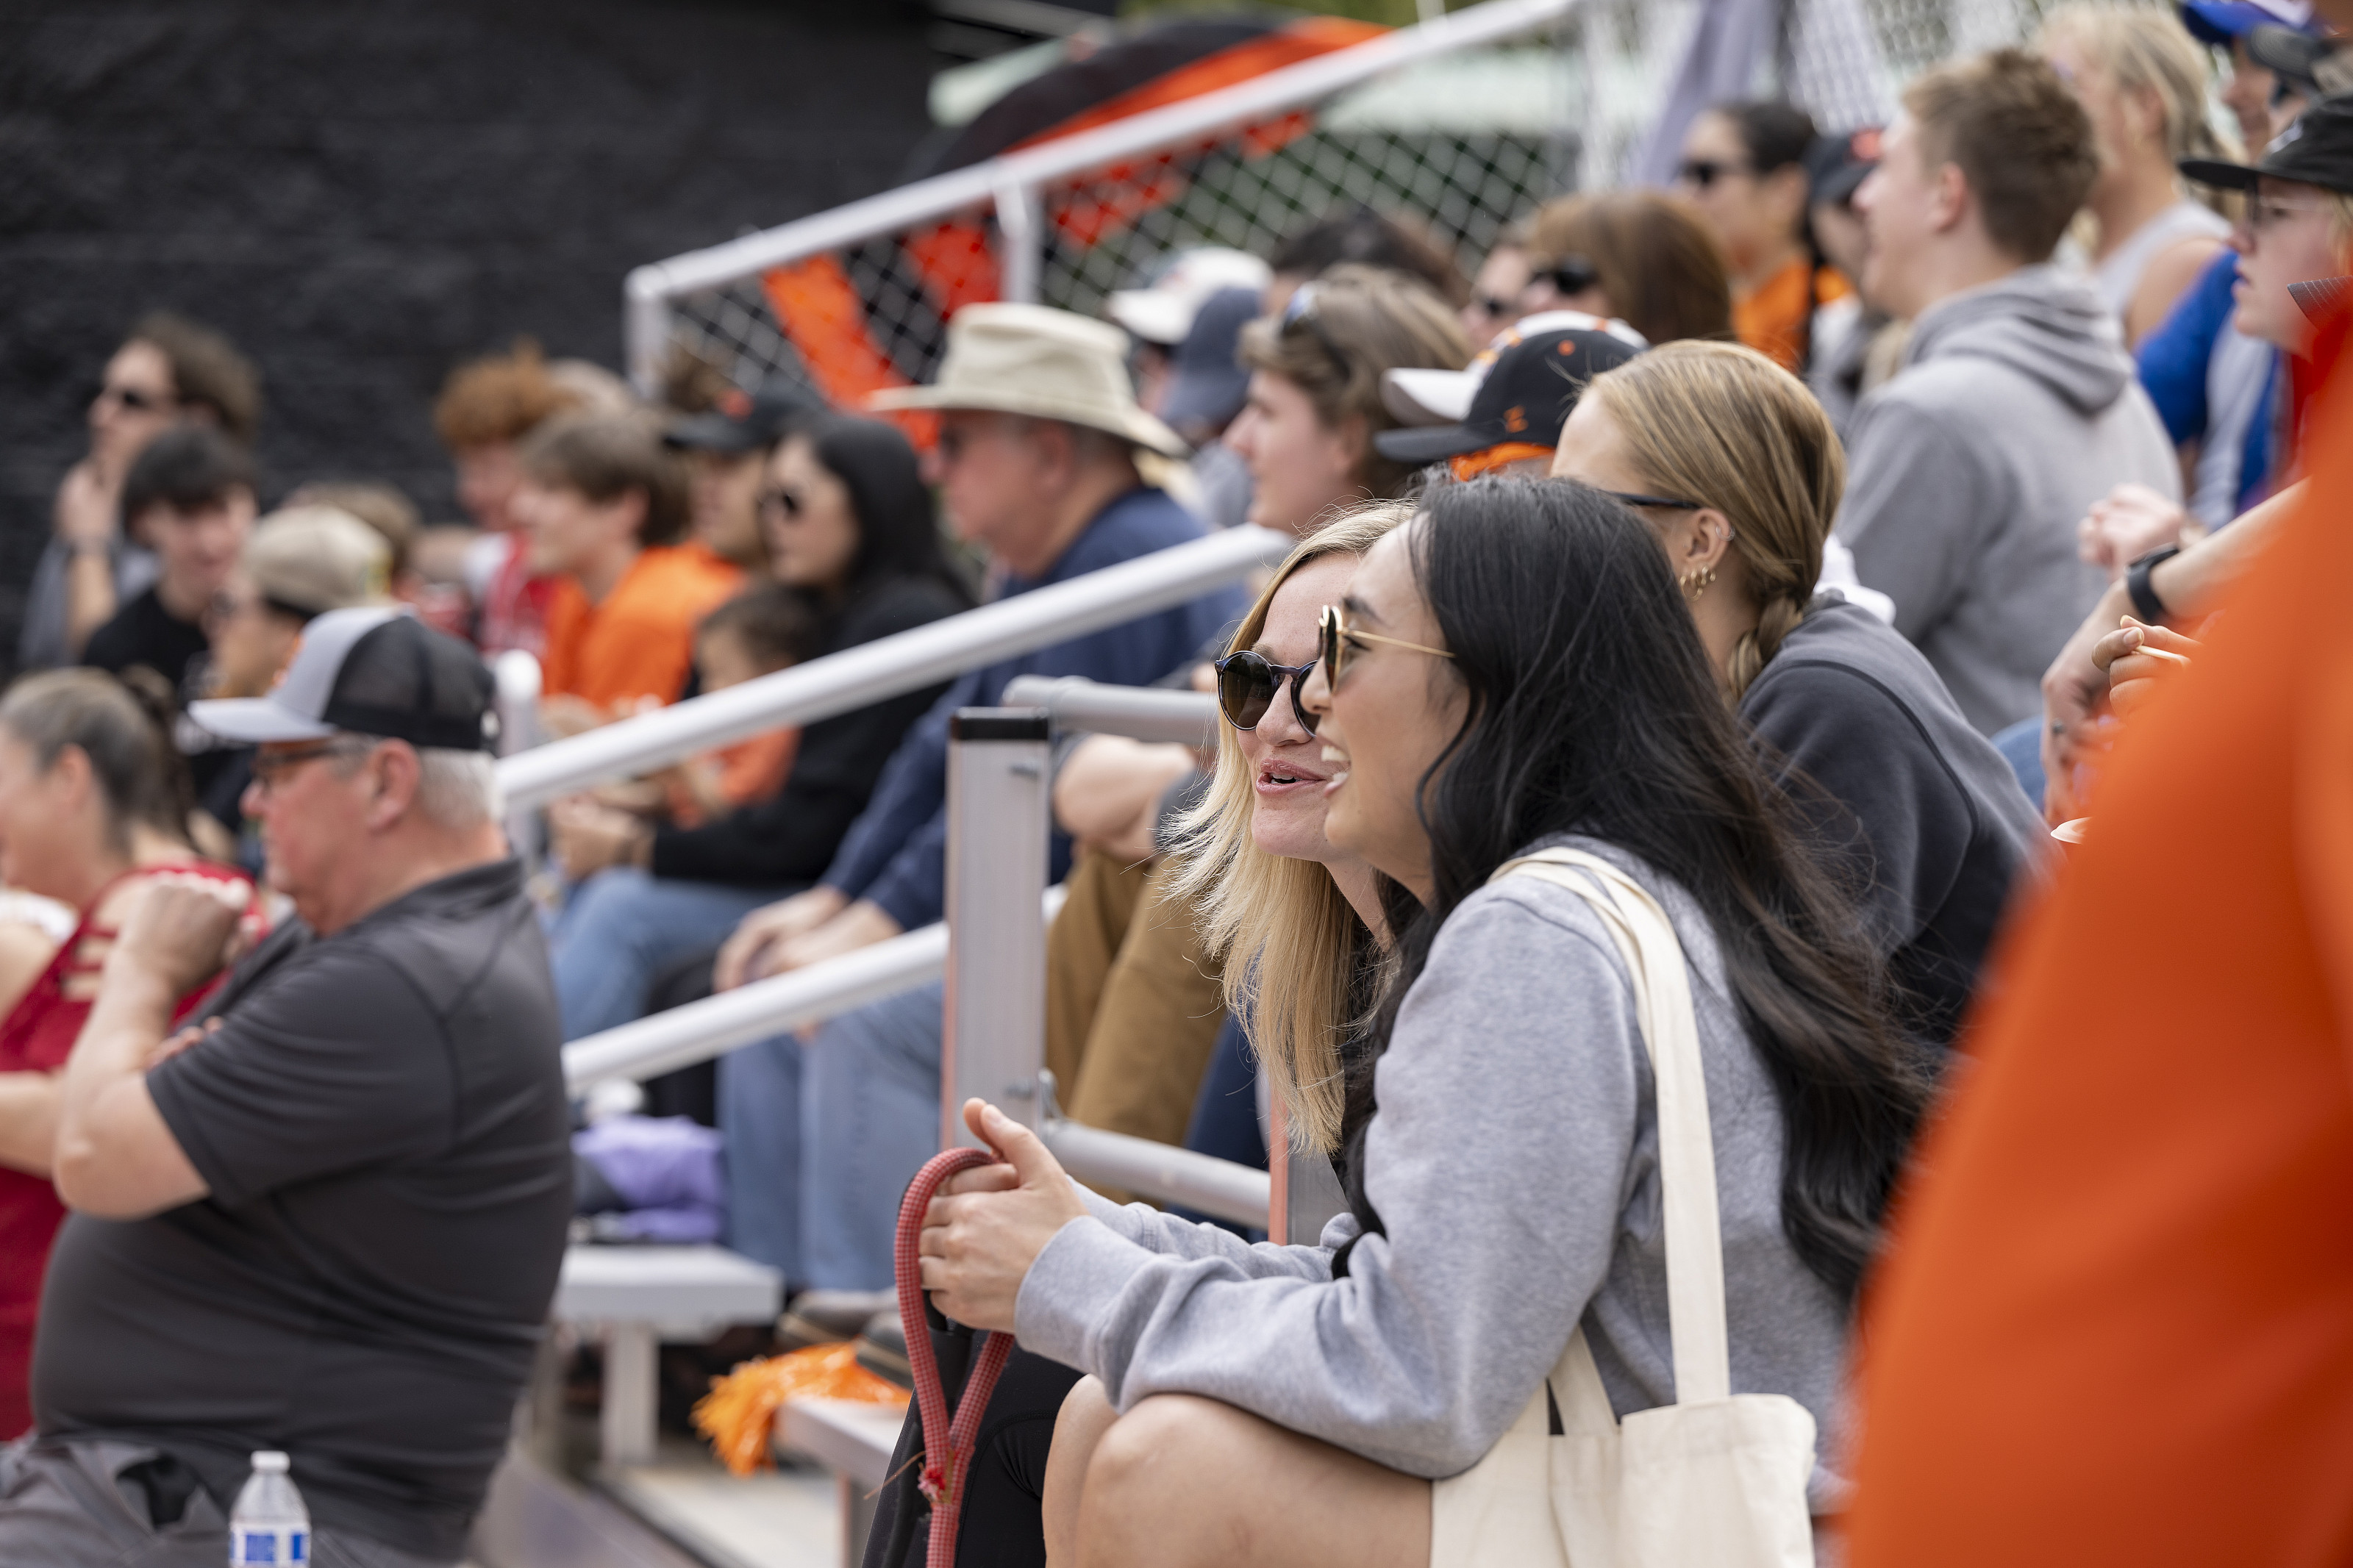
x=1703 y=172
x=1572 y=274
x=1299 y=311
x=1247 y=683
x=1341 y=642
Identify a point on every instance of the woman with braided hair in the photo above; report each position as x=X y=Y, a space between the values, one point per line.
x=1736 y=470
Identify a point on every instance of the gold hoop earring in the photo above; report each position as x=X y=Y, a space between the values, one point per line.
x=1695 y=584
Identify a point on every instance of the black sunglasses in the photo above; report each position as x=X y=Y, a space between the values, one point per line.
x=130 y=397
x=1704 y=172
x=785 y=502
x=1247 y=683
x=1632 y=497
x=1572 y=274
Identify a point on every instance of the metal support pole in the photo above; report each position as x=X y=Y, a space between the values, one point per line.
x=631 y=1395
x=1021 y=241
x=996 y=1025
x=645 y=329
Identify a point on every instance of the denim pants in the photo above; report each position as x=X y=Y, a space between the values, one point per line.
x=870 y=1118
x=622 y=927
x=759 y=1090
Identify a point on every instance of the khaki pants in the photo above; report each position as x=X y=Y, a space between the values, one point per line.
x=1133 y=1006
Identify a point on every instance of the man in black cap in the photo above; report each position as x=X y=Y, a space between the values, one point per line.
x=328 y=1218
x=1517 y=402
x=2298 y=221
x=727 y=449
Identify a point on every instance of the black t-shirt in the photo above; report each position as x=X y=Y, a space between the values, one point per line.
x=381 y=1121
x=144 y=632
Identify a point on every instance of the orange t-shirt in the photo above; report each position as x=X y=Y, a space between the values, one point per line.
x=2117 y=1325
x=640 y=641
x=1772 y=321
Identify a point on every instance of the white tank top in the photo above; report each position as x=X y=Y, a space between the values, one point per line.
x=2119 y=277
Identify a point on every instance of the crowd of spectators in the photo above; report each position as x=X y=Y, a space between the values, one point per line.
x=1792 y=549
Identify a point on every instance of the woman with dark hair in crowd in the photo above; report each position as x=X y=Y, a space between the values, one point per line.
x=851 y=526
x=1512 y=671
x=1738 y=471
x=1743 y=167
x=1637 y=256
x=94 y=800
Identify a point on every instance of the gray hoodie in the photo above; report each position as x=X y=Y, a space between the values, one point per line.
x=1514 y=1164
x=2015 y=408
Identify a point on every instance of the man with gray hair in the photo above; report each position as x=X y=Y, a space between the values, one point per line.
x=327 y=1218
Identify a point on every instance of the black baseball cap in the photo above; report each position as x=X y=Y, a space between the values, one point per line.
x=1837 y=166
x=2317 y=150
x=2293 y=56
x=1526 y=397
x=375 y=669
x=744 y=421
x=1207 y=384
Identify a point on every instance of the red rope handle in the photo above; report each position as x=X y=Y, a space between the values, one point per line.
x=948 y=1437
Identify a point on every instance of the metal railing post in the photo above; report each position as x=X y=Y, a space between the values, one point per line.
x=995 y=1039
x=1021 y=240
x=645 y=329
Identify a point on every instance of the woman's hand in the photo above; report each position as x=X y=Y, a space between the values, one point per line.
x=988 y=1225
x=743 y=956
x=2138 y=656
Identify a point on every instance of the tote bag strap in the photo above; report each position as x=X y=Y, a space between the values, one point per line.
x=1662 y=1001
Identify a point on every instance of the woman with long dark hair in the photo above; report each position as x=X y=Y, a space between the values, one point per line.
x=851 y=526
x=1512 y=671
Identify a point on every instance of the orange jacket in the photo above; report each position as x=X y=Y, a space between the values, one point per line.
x=1772 y=321
x=640 y=641
x=2117 y=1325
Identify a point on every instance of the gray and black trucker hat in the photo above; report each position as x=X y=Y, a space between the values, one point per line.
x=375 y=669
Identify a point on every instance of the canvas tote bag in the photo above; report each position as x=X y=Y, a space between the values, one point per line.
x=1713 y=1480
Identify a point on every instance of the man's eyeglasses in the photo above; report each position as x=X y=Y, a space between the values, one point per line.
x=1299 y=311
x=270 y=767
x=1247 y=684
x=1702 y=174
x=778 y=503
x=1341 y=643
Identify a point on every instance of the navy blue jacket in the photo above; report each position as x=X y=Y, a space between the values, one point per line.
x=896 y=852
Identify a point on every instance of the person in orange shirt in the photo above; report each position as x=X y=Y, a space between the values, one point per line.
x=605 y=508
x=1744 y=168
x=2117 y=1322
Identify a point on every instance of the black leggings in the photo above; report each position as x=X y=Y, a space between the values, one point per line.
x=1002 y=1526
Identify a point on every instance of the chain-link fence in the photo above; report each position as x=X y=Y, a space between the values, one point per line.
x=868 y=313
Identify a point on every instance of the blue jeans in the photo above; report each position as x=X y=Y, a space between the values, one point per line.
x=622 y=927
x=870 y=1118
x=2020 y=746
x=760 y=1120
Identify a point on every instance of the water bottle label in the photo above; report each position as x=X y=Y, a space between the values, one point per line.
x=278 y=1546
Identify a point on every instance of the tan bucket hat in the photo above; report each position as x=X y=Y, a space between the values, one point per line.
x=313 y=559
x=1046 y=364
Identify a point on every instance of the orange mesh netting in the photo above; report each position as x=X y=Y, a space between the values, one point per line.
x=739 y=1412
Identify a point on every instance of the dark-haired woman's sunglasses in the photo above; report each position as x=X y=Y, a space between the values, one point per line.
x=1247 y=683
x=1702 y=174
x=785 y=503
x=1342 y=642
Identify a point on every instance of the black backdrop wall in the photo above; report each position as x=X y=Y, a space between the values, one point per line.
x=364 y=195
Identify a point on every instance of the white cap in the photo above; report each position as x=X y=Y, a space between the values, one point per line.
x=1164 y=313
x=269 y=1461
x=1443 y=396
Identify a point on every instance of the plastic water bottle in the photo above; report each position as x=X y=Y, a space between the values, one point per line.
x=269 y=1523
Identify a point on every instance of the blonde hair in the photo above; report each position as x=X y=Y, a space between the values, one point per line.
x=2143 y=49
x=1296 y=955
x=1724 y=426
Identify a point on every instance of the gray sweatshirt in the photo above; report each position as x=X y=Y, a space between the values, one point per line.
x=1514 y=1162
x=2016 y=407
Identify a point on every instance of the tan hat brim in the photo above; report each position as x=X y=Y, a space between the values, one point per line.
x=1129 y=424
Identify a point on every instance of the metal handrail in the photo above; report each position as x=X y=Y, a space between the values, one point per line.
x=664 y=1042
x=890 y=665
x=1161 y=1172
x=1141 y=713
x=1010 y=181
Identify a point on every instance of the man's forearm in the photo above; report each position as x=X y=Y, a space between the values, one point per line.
x=90 y=597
